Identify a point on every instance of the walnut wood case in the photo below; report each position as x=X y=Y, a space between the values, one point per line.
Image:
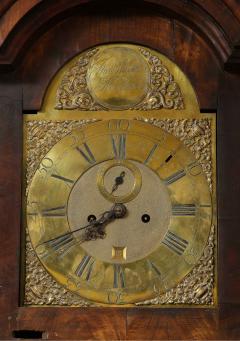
x=39 y=37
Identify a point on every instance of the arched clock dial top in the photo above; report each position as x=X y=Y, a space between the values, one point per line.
x=118 y=209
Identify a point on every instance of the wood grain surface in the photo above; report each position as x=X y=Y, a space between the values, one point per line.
x=10 y=203
x=97 y=24
x=202 y=37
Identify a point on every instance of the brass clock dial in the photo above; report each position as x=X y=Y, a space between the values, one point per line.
x=118 y=211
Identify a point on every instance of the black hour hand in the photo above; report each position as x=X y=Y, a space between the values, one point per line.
x=118 y=181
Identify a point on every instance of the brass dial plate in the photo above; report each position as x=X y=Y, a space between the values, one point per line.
x=180 y=247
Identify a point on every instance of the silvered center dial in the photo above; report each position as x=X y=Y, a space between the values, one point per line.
x=143 y=193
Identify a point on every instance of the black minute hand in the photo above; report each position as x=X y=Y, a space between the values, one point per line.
x=117 y=211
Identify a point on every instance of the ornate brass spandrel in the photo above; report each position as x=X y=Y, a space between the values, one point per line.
x=42 y=135
x=197 y=287
x=164 y=92
x=42 y=289
x=73 y=92
x=119 y=77
x=196 y=135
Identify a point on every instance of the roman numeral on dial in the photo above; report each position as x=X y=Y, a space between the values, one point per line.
x=85 y=265
x=148 y=158
x=59 y=211
x=60 y=245
x=59 y=177
x=184 y=210
x=175 y=243
x=87 y=154
x=119 y=277
x=174 y=177
x=119 y=146
x=154 y=267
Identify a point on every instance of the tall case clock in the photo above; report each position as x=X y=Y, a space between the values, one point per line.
x=120 y=190
x=119 y=162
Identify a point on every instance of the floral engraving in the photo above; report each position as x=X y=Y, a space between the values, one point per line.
x=164 y=92
x=73 y=91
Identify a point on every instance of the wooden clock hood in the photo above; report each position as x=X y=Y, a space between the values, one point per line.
x=37 y=38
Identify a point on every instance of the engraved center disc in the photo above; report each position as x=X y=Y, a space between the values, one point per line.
x=118 y=78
